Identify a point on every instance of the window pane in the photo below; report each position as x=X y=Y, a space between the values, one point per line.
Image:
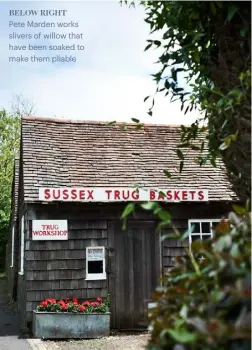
x=195 y=237
x=95 y=266
x=205 y=226
x=196 y=227
x=214 y=224
x=206 y=237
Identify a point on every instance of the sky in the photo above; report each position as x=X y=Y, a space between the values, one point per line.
x=110 y=78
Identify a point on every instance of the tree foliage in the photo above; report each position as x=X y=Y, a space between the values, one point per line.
x=208 y=44
x=9 y=145
x=205 y=300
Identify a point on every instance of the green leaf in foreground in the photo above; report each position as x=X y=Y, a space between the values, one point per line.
x=167 y=173
x=182 y=336
x=239 y=210
x=128 y=210
x=180 y=154
x=149 y=206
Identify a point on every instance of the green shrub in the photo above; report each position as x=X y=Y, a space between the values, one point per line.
x=205 y=299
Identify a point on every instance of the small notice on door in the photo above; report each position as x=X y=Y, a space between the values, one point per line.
x=95 y=254
x=48 y=230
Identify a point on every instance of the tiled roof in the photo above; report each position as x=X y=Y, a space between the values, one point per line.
x=58 y=152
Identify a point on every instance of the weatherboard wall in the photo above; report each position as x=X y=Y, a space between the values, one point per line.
x=57 y=269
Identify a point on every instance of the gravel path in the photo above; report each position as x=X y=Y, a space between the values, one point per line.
x=120 y=341
x=9 y=324
x=9 y=334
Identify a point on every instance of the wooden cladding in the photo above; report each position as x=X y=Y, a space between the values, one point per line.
x=57 y=269
x=72 y=244
x=135 y=258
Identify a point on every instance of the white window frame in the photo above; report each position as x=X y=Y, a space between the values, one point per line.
x=12 y=245
x=200 y=233
x=96 y=276
x=21 y=272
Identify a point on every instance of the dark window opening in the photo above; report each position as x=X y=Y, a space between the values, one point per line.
x=196 y=227
x=205 y=227
x=206 y=237
x=95 y=266
x=195 y=237
x=214 y=225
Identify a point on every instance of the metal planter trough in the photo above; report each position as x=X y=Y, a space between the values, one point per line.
x=58 y=325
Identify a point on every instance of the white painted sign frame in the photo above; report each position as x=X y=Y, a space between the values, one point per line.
x=49 y=230
x=121 y=194
x=96 y=276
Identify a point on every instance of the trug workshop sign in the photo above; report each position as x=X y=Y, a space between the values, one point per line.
x=47 y=230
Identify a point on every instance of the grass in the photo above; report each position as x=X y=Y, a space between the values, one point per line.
x=3 y=285
x=3 y=276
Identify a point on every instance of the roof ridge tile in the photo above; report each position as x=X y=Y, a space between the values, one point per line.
x=91 y=122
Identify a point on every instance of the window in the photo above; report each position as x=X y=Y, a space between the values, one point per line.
x=21 y=272
x=95 y=263
x=12 y=245
x=201 y=229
